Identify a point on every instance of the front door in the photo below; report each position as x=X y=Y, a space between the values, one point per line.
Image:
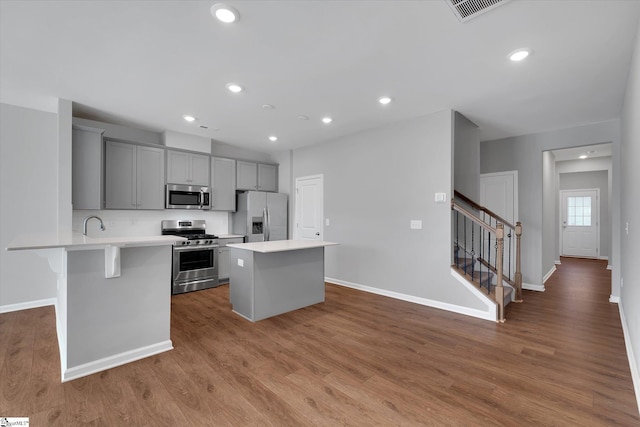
x=580 y=223
x=309 y=208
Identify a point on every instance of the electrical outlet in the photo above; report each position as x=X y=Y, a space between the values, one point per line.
x=626 y=228
x=415 y=224
x=240 y=262
x=621 y=283
x=327 y=222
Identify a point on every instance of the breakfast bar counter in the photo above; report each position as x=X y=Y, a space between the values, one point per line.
x=271 y=278
x=113 y=303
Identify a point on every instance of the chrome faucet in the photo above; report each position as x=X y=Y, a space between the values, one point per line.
x=86 y=220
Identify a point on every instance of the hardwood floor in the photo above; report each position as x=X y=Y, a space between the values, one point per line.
x=357 y=359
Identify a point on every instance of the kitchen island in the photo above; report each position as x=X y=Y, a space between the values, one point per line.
x=271 y=278
x=113 y=297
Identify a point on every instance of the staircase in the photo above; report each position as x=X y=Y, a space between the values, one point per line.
x=486 y=252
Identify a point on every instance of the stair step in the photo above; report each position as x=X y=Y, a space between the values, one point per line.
x=464 y=264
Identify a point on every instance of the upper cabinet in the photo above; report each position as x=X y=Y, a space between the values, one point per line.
x=223 y=184
x=257 y=176
x=267 y=177
x=86 y=168
x=187 y=168
x=134 y=176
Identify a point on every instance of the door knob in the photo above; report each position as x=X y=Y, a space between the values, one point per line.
x=318 y=233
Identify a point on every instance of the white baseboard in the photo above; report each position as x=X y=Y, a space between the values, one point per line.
x=557 y=262
x=486 y=315
x=549 y=273
x=609 y=267
x=532 y=287
x=27 y=305
x=115 y=360
x=633 y=366
x=603 y=258
x=614 y=299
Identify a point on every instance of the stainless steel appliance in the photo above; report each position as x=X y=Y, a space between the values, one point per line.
x=195 y=261
x=261 y=216
x=179 y=196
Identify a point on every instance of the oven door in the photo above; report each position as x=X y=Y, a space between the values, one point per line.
x=194 y=268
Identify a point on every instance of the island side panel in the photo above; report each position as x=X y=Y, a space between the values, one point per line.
x=241 y=282
x=117 y=318
x=287 y=280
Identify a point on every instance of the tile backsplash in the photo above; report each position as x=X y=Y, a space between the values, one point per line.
x=145 y=223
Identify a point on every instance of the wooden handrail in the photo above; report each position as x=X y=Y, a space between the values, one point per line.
x=482 y=208
x=456 y=207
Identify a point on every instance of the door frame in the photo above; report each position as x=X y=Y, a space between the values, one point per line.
x=561 y=219
x=296 y=234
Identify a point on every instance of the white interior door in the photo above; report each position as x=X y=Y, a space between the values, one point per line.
x=580 y=225
x=309 y=208
x=499 y=194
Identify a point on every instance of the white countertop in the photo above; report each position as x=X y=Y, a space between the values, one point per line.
x=230 y=236
x=76 y=241
x=280 y=245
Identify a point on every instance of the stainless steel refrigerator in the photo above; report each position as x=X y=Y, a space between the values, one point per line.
x=261 y=216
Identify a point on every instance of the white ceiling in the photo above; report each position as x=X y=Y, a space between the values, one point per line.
x=147 y=63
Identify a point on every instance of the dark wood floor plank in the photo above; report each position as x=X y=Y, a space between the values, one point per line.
x=357 y=359
x=16 y=373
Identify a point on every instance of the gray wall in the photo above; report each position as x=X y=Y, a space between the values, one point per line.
x=29 y=188
x=549 y=208
x=594 y=179
x=375 y=182
x=524 y=154
x=466 y=141
x=630 y=242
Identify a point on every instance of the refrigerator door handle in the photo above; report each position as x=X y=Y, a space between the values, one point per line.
x=265 y=225
x=268 y=224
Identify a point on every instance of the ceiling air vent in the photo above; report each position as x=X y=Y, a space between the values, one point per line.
x=466 y=10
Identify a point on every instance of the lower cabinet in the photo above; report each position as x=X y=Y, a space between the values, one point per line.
x=224 y=269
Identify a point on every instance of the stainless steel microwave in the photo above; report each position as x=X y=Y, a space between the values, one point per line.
x=187 y=197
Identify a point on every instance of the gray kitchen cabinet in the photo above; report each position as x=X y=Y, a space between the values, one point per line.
x=187 y=168
x=247 y=173
x=257 y=176
x=86 y=168
x=224 y=269
x=134 y=176
x=267 y=177
x=223 y=184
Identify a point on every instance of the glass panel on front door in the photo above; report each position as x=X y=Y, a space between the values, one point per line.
x=579 y=211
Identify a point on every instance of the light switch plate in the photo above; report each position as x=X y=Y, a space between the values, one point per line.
x=441 y=197
x=327 y=222
x=240 y=262
x=416 y=224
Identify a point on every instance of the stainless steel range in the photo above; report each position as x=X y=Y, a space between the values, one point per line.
x=195 y=261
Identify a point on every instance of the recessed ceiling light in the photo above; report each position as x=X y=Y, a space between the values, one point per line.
x=189 y=118
x=583 y=156
x=384 y=100
x=327 y=120
x=519 y=54
x=273 y=138
x=268 y=107
x=234 y=87
x=224 y=13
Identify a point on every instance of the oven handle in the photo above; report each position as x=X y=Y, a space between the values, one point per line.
x=194 y=248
